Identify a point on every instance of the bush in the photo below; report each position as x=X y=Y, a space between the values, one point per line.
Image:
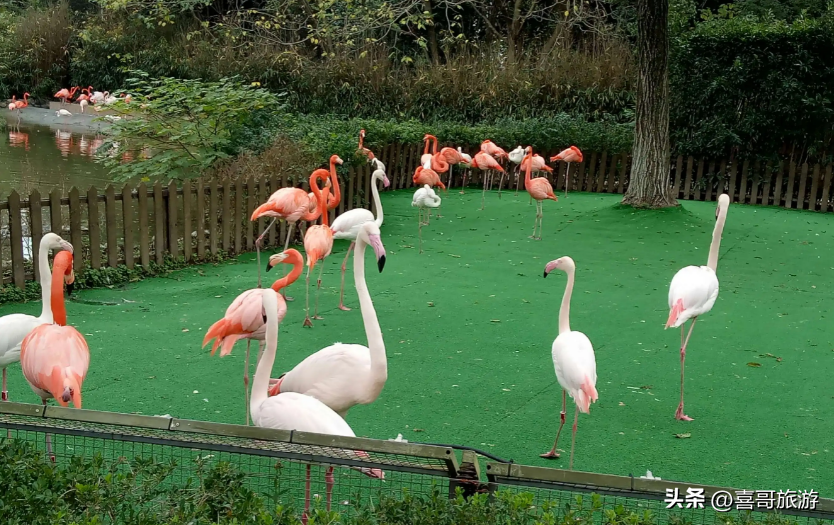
x=94 y=491
x=754 y=88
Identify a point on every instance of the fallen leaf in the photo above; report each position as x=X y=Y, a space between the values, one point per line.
x=754 y=364
x=777 y=358
x=646 y=387
x=185 y=330
x=683 y=436
x=419 y=430
x=431 y=304
x=495 y=320
x=505 y=389
x=622 y=404
x=455 y=256
x=196 y=392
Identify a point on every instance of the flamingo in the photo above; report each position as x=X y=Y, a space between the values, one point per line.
x=83 y=105
x=64 y=94
x=425 y=175
x=362 y=150
x=109 y=99
x=334 y=200
x=12 y=103
x=484 y=161
x=424 y=197
x=467 y=159
x=291 y=410
x=539 y=189
x=85 y=94
x=571 y=154
x=15 y=327
x=694 y=289
x=573 y=359
x=290 y=204
x=318 y=242
x=63 y=113
x=21 y=104
x=242 y=319
x=445 y=159
x=55 y=357
x=98 y=97
x=516 y=156
x=539 y=165
x=426 y=156
x=348 y=224
x=345 y=375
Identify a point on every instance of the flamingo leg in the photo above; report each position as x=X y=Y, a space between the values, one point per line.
x=500 y=183
x=5 y=393
x=517 y=178
x=329 y=481
x=567 y=173
x=420 y=229
x=258 y=243
x=246 y=380
x=679 y=415
x=318 y=288
x=305 y=515
x=48 y=441
x=286 y=244
x=483 y=194
x=344 y=267
x=535 y=221
x=463 y=184
x=573 y=439
x=541 y=217
x=307 y=321
x=553 y=454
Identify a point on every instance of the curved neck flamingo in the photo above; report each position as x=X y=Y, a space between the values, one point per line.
x=430 y=139
x=320 y=197
x=46 y=280
x=61 y=272
x=361 y=138
x=275 y=309
x=294 y=258
x=334 y=181
x=376 y=346
x=564 y=309
x=377 y=176
x=723 y=204
x=528 y=171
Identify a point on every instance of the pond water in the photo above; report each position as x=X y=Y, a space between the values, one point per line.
x=49 y=157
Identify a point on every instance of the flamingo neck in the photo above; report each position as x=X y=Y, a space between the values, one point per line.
x=376 y=346
x=528 y=171
x=59 y=309
x=46 y=281
x=715 y=245
x=377 y=201
x=321 y=199
x=564 y=310
x=283 y=282
x=426 y=147
x=334 y=181
x=260 y=383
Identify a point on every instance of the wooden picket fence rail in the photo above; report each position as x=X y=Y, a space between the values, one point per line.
x=137 y=224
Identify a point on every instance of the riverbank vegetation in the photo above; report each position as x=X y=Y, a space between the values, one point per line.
x=754 y=78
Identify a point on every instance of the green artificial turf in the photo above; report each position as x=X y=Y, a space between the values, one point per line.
x=468 y=327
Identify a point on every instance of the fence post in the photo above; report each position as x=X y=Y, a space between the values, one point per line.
x=127 y=223
x=35 y=229
x=16 y=233
x=226 y=220
x=144 y=241
x=186 y=220
x=238 y=209
x=173 y=233
x=200 y=226
x=110 y=223
x=159 y=223
x=250 y=208
x=75 y=228
x=212 y=218
x=93 y=228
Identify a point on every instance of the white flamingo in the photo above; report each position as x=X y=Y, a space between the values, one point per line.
x=348 y=224
x=424 y=198
x=345 y=375
x=98 y=97
x=291 y=410
x=83 y=105
x=15 y=327
x=573 y=359
x=516 y=156
x=694 y=289
x=467 y=159
x=63 y=113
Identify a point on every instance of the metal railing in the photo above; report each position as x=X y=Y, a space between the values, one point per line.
x=275 y=461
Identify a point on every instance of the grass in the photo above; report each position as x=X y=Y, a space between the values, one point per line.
x=468 y=327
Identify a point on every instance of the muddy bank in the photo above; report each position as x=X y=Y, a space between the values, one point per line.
x=77 y=122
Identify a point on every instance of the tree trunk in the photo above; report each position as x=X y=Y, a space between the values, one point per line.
x=649 y=185
x=435 y=56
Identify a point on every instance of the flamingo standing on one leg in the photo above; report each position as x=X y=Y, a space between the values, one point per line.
x=538 y=164
x=290 y=204
x=291 y=410
x=571 y=154
x=445 y=159
x=425 y=175
x=20 y=105
x=318 y=242
x=694 y=289
x=484 y=161
x=345 y=375
x=516 y=156
x=55 y=357
x=539 y=189
x=467 y=161
x=242 y=319
x=64 y=94
x=499 y=154
x=424 y=198
x=15 y=327
x=348 y=224
x=573 y=359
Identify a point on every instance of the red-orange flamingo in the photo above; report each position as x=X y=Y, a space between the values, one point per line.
x=538 y=165
x=484 y=162
x=242 y=319
x=427 y=155
x=65 y=93
x=539 y=189
x=572 y=154
x=362 y=150
x=318 y=242
x=21 y=104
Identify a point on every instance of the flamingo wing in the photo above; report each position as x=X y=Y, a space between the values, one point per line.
x=346 y=225
x=55 y=359
x=13 y=329
x=576 y=368
x=286 y=203
x=692 y=292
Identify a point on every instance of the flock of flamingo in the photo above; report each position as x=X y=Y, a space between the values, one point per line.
x=88 y=96
x=316 y=395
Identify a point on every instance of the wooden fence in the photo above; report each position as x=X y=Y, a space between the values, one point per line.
x=138 y=224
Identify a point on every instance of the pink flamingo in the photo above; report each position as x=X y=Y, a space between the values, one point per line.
x=294 y=411
x=539 y=189
x=484 y=161
x=65 y=93
x=427 y=155
x=290 y=204
x=362 y=150
x=54 y=357
x=318 y=242
x=538 y=165
x=445 y=159
x=573 y=359
x=85 y=94
x=572 y=154
x=243 y=321
x=694 y=289
x=12 y=103
x=21 y=104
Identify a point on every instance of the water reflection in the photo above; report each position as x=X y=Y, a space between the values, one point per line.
x=19 y=139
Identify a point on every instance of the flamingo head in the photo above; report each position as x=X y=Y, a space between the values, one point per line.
x=562 y=263
x=289 y=256
x=369 y=234
x=335 y=159
x=723 y=203
x=67 y=395
x=362 y=133
x=375 y=473
x=385 y=181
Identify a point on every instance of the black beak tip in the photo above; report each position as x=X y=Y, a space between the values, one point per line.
x=381 y=263
x=545 y=274
x=268 y=266
x=70 y=288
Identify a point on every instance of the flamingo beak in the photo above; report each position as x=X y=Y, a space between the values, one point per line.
x=66 y=246
x=268 y=265
x=373 y=472
x=549 y=267
x=379 y=250
x=385 y=182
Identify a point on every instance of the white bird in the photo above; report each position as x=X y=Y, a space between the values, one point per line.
x=424 y=197
x=15 y=327
x=573 y=359
x=378 y=165
x=345 y=375
x=83 y=105
x=516 y=156
x=112 y=118
x=348 y=224
x=98 y=97
x=649 y=476
x=291 y=410
x=109 y=99
x=694 y=289
x=467 y=161
x=63 y=113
